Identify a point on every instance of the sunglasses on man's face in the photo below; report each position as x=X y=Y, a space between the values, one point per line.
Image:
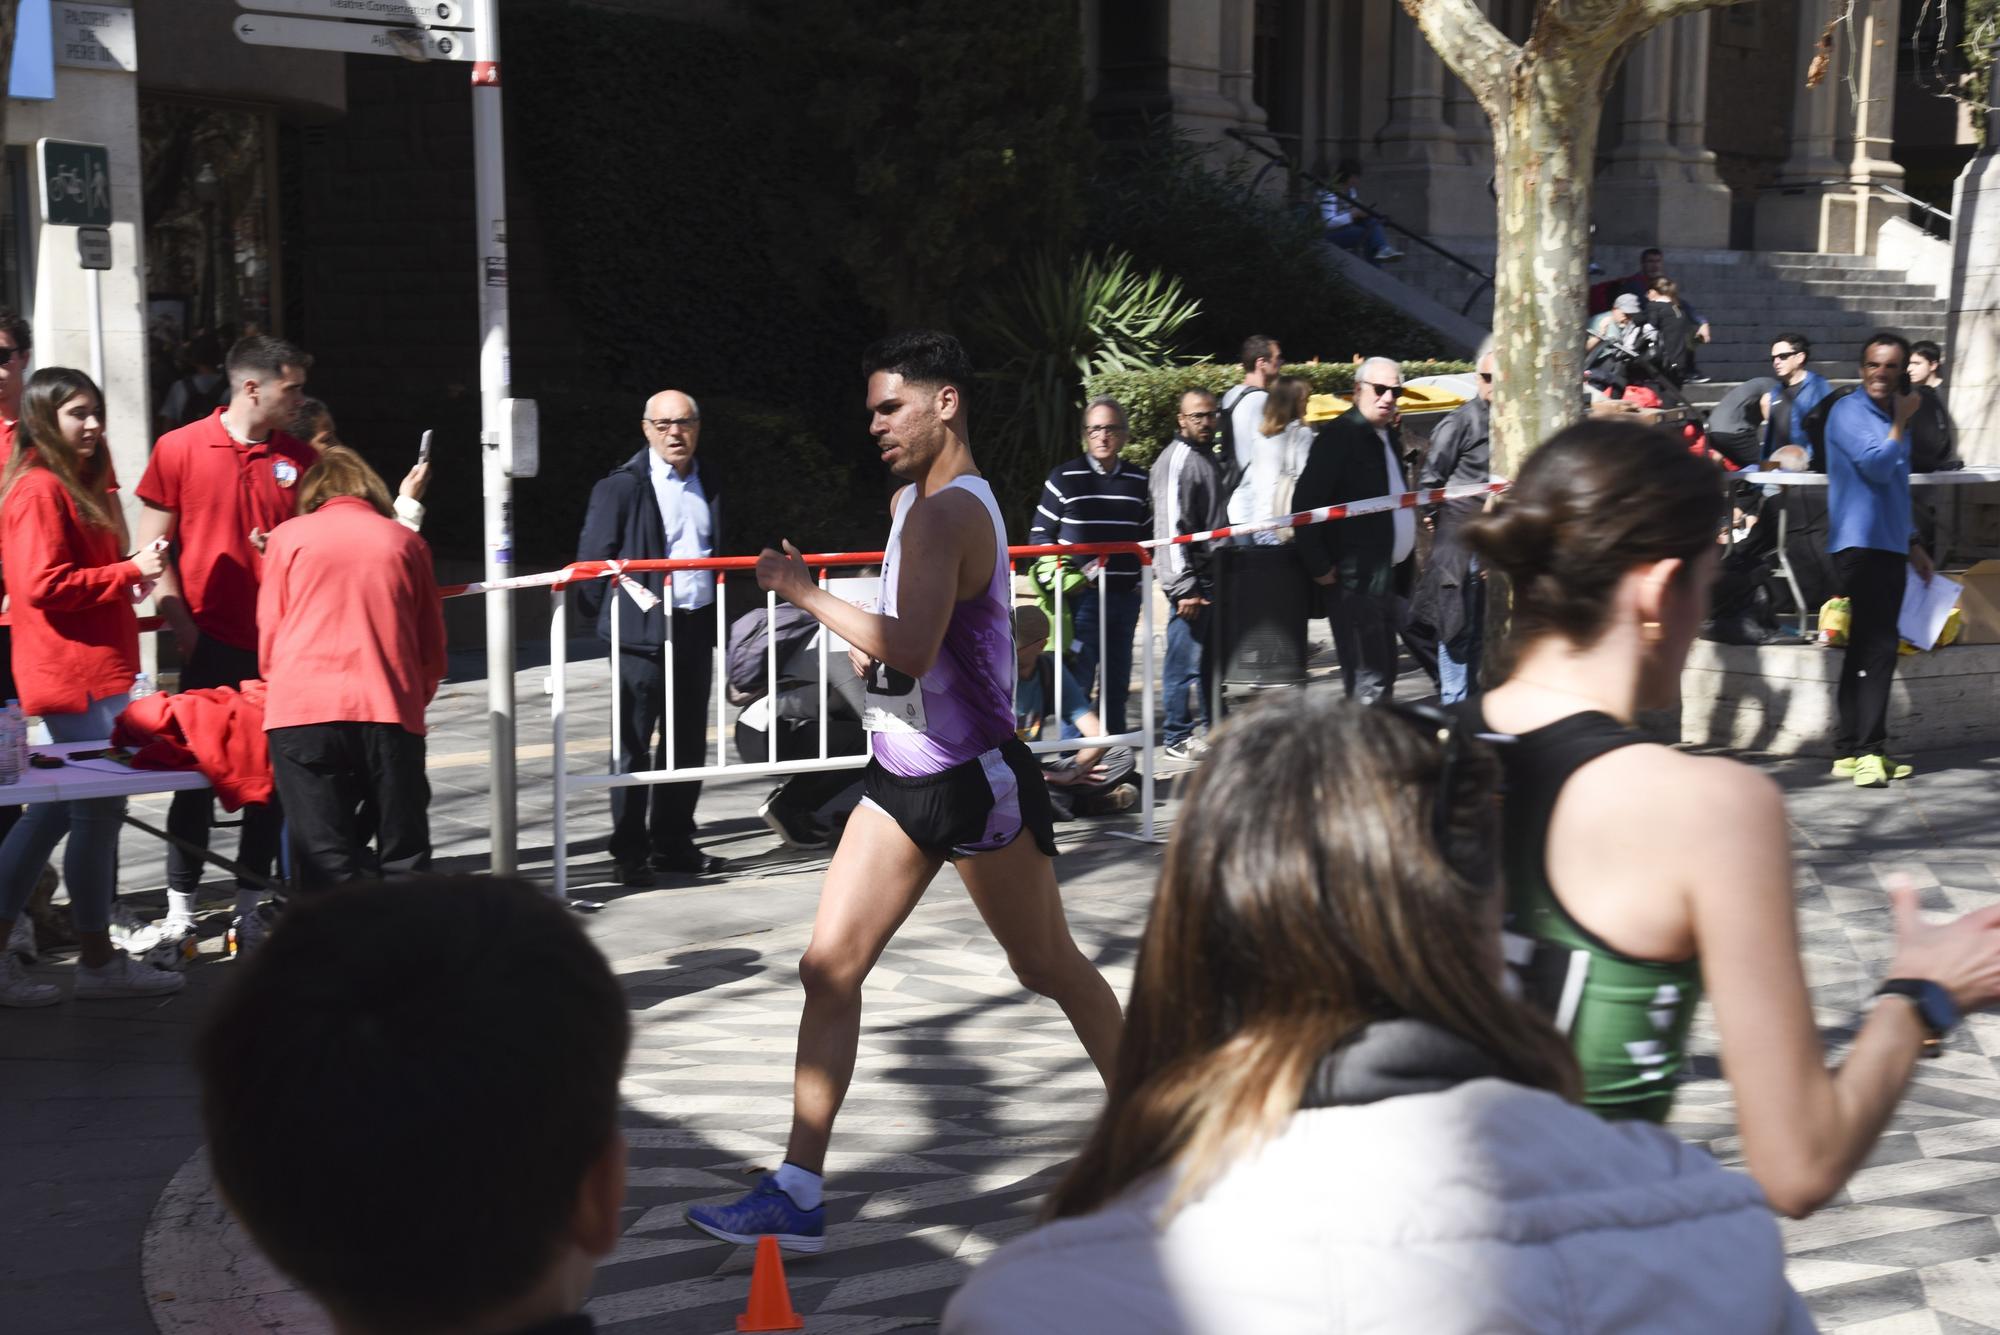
x=1390 y=390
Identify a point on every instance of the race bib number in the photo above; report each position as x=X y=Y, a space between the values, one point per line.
x=892 y=701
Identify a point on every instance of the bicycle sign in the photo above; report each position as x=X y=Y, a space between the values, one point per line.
x=76 y=183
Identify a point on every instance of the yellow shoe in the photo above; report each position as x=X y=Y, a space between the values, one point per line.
x=1870 y=772
x=1843 y=768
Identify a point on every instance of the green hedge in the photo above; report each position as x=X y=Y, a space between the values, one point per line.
x=1152 y=398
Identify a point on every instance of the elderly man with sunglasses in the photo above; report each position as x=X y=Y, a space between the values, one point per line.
x=1356 y=456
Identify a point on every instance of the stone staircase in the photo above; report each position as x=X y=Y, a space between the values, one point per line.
x=1748 y=298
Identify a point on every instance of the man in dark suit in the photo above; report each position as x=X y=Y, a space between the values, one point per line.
x=659 y=504
x=1355 y=457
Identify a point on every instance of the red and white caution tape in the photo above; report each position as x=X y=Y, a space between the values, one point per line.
x=1408 y=500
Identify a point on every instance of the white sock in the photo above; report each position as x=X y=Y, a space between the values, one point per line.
x=180 y=903
x=803 y=1187
x=247 y=902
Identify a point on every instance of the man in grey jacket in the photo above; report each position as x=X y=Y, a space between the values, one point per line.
x=1451 y=595
x=1187 y=498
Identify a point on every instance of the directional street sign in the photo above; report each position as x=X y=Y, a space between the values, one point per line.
x=366 y=39
x=418 y=13
x=93 y=247
x=76 y=183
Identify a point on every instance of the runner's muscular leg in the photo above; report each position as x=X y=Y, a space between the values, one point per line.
x=876 y=878
x=1015 y=890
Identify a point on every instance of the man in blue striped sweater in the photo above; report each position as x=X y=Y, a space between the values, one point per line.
x=1100 y=497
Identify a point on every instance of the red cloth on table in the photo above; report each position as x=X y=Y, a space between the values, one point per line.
x=219 y=731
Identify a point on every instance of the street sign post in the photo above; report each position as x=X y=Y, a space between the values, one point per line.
x=418 y=13
x=366 y=39
x=76 y=183
x=76 y=192
x=455 y=30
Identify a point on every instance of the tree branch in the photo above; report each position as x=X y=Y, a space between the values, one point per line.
x=1470 y=46
x=1662 y=10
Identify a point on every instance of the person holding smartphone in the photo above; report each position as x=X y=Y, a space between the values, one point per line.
x=75 y=651
x=1871 y=537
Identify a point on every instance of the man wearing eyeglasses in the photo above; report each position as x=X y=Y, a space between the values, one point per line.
x=1357 y=456
x=1798 y=391
x=661 y=504
x=1187 y=498
x=1100 y=497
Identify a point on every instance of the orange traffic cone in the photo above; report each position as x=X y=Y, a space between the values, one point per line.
x=770 y=1301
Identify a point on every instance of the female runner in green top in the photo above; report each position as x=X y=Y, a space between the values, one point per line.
x=1639 y=876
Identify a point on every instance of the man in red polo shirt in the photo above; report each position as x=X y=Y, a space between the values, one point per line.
x=216 y=487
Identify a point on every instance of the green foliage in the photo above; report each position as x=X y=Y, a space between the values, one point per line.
x=1982 y=30
x=1044 y=334
x=932 y=141
x=1152 y=397
x=1256 y=264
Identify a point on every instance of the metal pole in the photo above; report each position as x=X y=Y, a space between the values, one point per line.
x=495 y=386
x=559 y=734
x=1146 y=587
x=94 y=282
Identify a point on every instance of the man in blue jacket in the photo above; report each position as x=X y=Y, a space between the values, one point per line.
x=1799 y=389
x=658 y=505
x=1871 y=538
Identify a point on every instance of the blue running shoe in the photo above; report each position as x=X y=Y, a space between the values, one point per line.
x=765 y=1210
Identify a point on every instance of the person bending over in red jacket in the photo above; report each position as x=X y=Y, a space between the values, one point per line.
x=76 y=650
x=351 y=643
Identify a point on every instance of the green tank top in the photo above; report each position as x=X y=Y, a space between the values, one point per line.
x=1626 y=1018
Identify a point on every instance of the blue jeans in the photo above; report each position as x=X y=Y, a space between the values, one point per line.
x=1186 y=668
x=1121 y=619
x=90 y=863
x=1458 y=659
x=1353 y=235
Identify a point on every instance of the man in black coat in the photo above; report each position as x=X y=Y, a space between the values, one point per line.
x=1355 y=457
x=659 y=504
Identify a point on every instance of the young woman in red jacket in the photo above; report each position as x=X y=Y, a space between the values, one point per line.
x=76 y=649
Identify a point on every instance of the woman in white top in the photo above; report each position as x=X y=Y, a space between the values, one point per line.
x=1328 y=1115
x=1277 y=455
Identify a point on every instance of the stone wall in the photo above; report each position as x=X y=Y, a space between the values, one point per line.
x=1779 y=699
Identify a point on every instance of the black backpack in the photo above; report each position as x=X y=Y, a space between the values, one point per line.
x=1225 y=444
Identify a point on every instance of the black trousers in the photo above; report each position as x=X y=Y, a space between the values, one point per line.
x=659 y=818
x=1364 y=634
x=1873 y=582
x=326 y=773
x=8 y=815
x=214 y=663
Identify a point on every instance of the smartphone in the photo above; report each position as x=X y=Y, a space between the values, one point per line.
x=1903 y=383
x=424 y=449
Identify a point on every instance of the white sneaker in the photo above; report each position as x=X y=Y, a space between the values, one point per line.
x=178 y=945
x=21 y=941
x=17 y=989
x=124 y=977
x=130 y=932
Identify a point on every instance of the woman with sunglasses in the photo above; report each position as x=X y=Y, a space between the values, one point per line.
x=1638 y=876
x=76 y=650
x=1328 y=1114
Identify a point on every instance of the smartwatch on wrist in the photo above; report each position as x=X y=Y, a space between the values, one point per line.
x=1934 y=1006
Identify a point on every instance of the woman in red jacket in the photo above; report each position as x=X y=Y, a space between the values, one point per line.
x=351 y=640
x=76 y=649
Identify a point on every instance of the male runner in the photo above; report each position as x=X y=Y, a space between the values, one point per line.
x=948 y=779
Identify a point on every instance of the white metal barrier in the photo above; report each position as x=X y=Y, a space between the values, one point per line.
x=622 y=572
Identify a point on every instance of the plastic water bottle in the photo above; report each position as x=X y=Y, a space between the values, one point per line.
x=142 y=686
x=13 y=742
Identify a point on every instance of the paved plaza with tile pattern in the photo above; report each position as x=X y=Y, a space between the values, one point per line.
x=968 y=1098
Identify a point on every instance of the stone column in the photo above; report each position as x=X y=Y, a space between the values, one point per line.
x=1972 y=345
x=1659 y=189
x=1873 y=163
x=1182 y=63
x=1793 y=215
x=1420 y=177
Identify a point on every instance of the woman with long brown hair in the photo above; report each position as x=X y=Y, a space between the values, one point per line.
x=76 y=650
x=1329 y=1115
x=1638 y=876
x=1276 y=456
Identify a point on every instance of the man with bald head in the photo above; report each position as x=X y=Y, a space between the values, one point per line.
x=1356 y=456
x=661 y=504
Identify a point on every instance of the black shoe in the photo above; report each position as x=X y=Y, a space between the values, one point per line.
x=795 y=828
x=1699 y=379
x=636 y=874
x=689 y=861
